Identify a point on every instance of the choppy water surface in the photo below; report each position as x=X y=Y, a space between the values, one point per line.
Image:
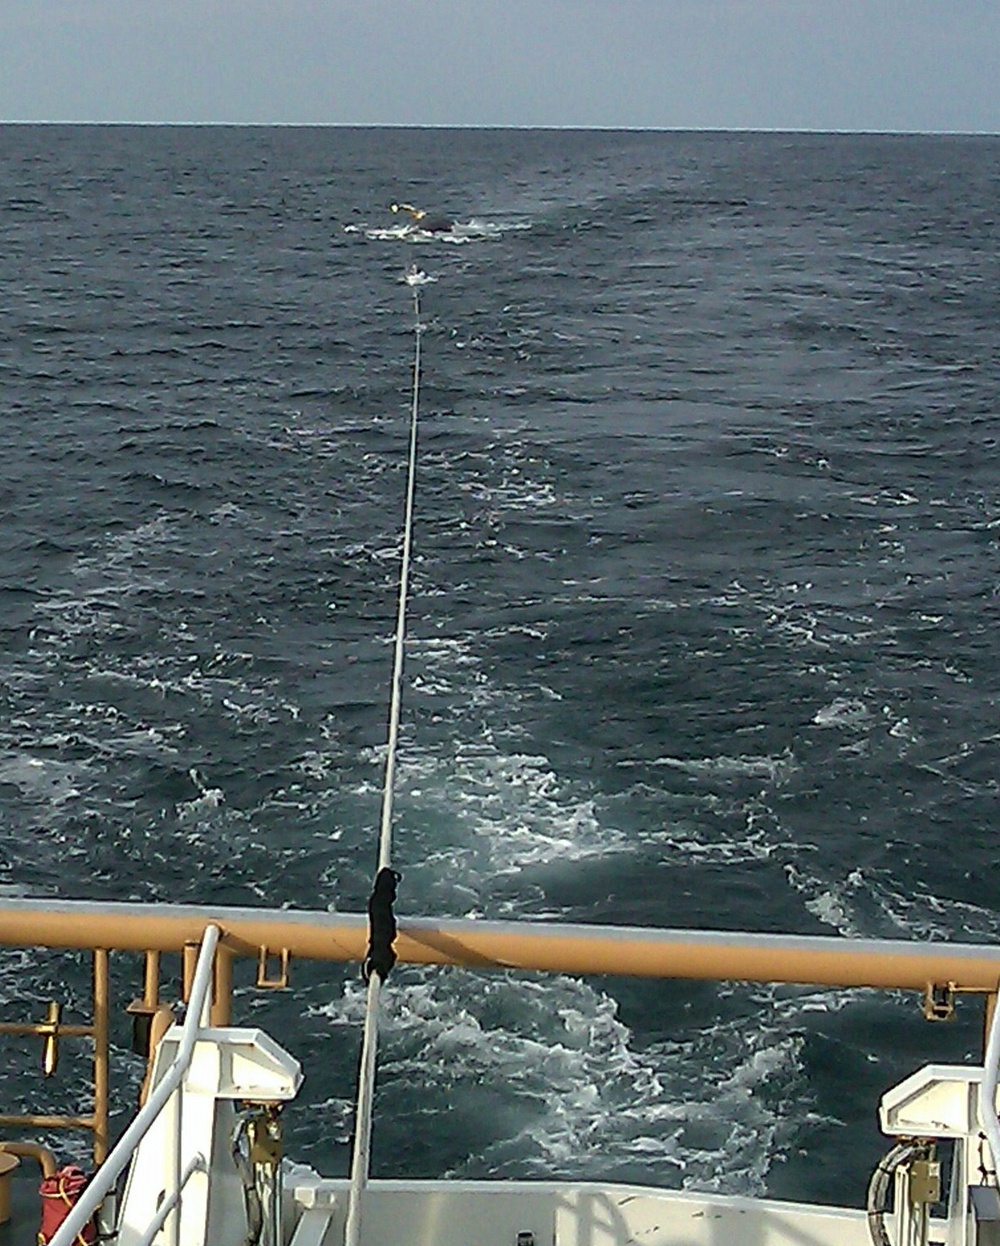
x=704 y=620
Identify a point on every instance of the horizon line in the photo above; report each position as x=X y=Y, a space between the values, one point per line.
x=410 y=125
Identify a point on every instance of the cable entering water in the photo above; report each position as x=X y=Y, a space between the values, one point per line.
x=384 y=877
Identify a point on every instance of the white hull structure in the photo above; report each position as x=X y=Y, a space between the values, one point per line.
x=501 y=1213
x=203 y=1163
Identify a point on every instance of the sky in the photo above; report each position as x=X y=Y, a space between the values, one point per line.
x=886 y=65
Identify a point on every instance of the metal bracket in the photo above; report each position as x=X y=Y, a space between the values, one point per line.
x=267 y=981
x=939 y=1001
x=49 y=1029
x=925 y=1180
x=265 y=1135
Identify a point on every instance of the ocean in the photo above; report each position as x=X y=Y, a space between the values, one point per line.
x=704 y=615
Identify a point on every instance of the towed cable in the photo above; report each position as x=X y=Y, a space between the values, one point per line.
x=380 y=957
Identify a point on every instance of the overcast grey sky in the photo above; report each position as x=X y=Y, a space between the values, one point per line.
x=758 y=64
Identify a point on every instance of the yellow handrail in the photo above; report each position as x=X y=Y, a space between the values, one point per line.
x=524 y=945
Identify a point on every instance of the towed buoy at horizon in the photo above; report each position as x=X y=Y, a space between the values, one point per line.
x=419 y=226
x=424 y=221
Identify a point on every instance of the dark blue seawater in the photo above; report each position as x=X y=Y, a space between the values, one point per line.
x=704 y=620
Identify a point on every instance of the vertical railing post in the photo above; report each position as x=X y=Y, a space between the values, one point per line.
x=988 y=1121
x=102 y=1015
x=189 y=958
x=151 y=980
x=175 y=1215
x=222 y=996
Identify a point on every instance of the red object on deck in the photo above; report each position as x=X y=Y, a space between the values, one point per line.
x=59 y=1194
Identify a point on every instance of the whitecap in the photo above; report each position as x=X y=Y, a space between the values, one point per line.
x=842 y=712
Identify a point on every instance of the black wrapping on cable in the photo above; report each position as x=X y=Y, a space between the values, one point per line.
x=380 y=957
